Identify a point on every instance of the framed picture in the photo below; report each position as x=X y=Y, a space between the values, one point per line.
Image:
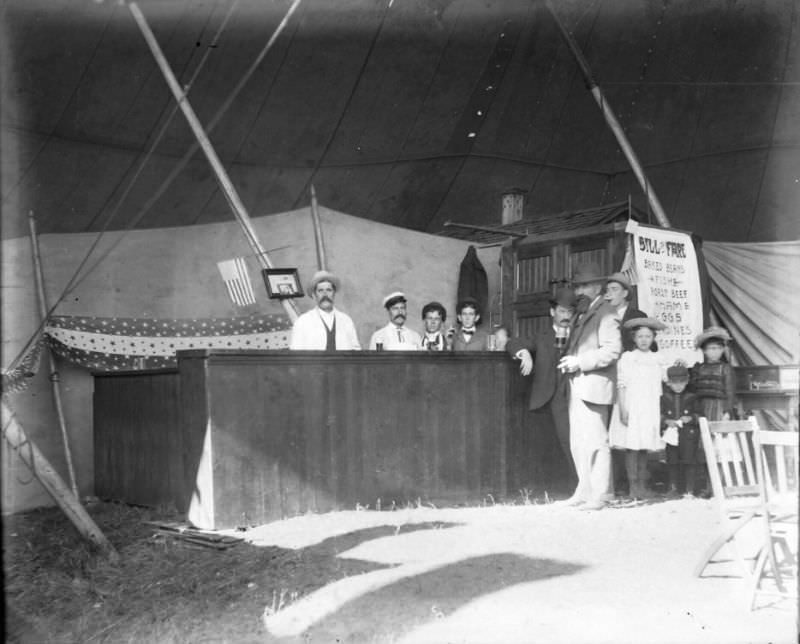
x=282 y=283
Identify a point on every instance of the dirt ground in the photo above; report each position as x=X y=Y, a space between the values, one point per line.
x=534 y=572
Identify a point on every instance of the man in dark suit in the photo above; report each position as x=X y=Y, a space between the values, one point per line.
x=540 y=355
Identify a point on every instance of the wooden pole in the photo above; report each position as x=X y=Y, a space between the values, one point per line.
x=612 y=122
x=322 y=263
x=228 y=189
x=55 y=379
x=52 y=482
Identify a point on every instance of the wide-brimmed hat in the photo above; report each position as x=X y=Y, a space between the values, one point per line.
x=650 y=323
x=713 y=333
x=564 y=297
x=621 y=279
x=678 y=372
x=322 y=276
x=586 y=273
x=393 y=298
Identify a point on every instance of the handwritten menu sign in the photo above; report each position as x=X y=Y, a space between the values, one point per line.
x=669 y=287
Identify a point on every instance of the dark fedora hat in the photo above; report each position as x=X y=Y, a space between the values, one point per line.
x=587 y=273
x=564 y=297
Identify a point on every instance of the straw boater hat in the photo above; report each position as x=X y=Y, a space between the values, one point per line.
x=586 y=273
x=323 y=276
x=564 y=297
x=393 y=298
x=621 y=279
x=650 y=323
x=713 y=333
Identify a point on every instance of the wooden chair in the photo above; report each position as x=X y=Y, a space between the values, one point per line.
x=778 y=451
x=740 y=497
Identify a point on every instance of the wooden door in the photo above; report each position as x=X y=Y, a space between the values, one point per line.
x=534 y=269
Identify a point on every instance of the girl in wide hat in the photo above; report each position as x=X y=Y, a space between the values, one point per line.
x=636 y=417
x=712 y=380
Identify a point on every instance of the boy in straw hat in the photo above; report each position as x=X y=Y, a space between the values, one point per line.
x=324 y=328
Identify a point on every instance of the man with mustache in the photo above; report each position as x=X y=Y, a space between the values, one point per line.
x=592 y=352
x=324 y=328
x=395 y=336
x=550 y=388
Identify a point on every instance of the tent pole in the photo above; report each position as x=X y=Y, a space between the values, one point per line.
x=55 y=380
x=228 y=189
x=52 y=482
x=322 y=263
x=612 y=122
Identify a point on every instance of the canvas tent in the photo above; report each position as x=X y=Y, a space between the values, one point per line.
x=417 y=113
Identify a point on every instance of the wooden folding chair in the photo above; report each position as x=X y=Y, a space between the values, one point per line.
x=730 y=456
x=778 y=453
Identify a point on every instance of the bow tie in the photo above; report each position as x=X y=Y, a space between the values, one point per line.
x=467 y=331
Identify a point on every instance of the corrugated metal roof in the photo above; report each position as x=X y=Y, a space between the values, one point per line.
x=565 y=221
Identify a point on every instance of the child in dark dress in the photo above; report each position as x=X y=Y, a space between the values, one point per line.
x=712 y=381
x=681 y=433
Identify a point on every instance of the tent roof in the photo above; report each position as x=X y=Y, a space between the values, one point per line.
x=409 y=112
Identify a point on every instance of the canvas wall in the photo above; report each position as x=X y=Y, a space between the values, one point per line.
x=171 y=272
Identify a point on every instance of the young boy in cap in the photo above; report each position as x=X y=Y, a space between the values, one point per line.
x=681 y=432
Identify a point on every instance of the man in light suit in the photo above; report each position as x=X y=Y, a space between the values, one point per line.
x=540 y=355
x=593 y=349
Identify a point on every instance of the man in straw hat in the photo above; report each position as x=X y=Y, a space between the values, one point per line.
x=618 y=293
x=540 y=355
x=324 y=328
x=592 y=351
x=395 y=336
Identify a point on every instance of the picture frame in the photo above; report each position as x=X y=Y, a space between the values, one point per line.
x=282 y=283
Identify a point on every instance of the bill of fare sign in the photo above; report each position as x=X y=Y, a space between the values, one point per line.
x=668 y=283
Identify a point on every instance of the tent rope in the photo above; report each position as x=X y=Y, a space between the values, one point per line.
x=74 y=281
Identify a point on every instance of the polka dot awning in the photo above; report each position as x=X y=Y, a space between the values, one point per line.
x=115 y=344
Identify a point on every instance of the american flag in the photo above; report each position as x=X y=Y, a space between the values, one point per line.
x=237 y=281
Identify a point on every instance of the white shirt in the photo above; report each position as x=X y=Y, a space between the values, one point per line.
x=310 y=331
x=396 y=338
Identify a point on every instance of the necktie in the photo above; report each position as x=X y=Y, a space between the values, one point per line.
x=399 y=336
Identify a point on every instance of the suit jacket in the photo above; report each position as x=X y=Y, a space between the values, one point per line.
x=595 y=340
x=546 y=378
x=478 y=341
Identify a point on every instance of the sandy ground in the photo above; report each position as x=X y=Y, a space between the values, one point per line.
x=525 y=573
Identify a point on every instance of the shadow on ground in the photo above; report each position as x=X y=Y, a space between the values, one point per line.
x=386 y=614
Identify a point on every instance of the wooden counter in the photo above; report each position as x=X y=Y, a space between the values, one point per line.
x=239 y=438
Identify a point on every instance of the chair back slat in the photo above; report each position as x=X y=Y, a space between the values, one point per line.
x=731 y=449
x=735 y=455
x=782 y=447
x=746 y=449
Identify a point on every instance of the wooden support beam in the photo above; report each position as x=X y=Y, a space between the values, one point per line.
x=44 y=472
